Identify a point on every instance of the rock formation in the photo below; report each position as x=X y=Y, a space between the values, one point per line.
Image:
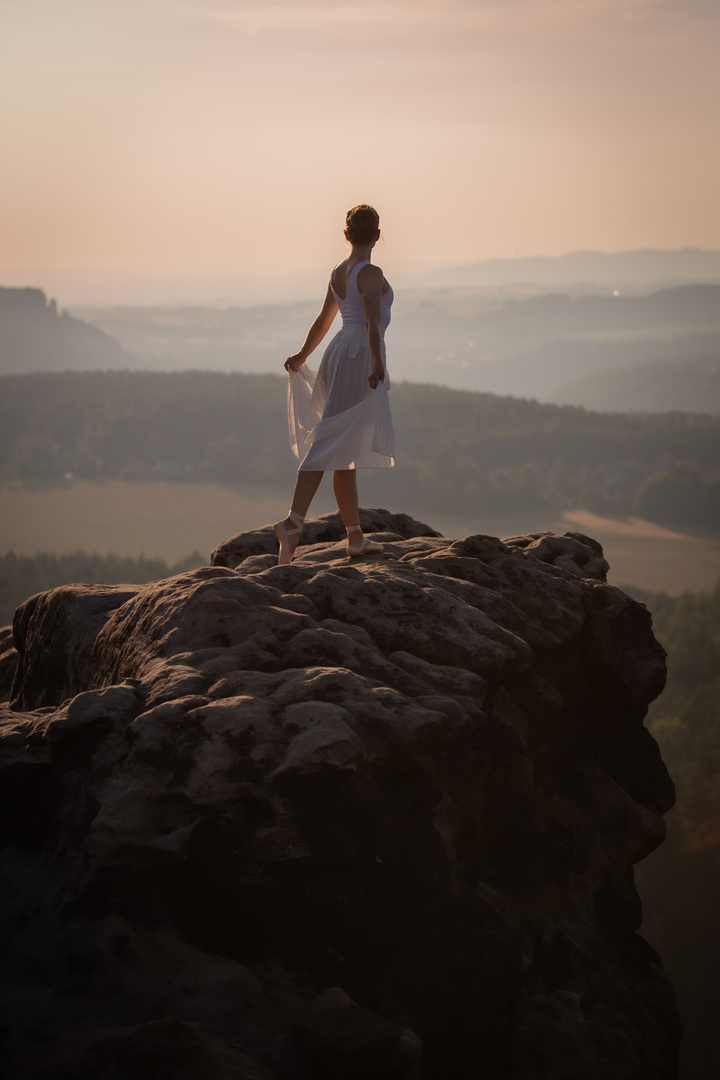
x=35 y=337
x=338 y=820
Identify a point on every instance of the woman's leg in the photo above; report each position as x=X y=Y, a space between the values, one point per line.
x=346 y=493
x=306 y=485
x=288 y=530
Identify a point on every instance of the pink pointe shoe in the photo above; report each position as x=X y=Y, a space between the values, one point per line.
x=368 y=547
x=283 y=534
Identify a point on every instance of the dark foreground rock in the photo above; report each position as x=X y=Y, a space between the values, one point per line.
x=340 y=819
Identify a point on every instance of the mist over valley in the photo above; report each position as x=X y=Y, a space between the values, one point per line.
x=660 y=348
x=542 y=347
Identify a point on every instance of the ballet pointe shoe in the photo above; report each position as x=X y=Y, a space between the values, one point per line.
x=283 y=534
x=368 y=547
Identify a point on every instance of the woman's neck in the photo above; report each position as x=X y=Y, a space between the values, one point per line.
x=360 y=253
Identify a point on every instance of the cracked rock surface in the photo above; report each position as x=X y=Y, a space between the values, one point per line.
x=348 y=818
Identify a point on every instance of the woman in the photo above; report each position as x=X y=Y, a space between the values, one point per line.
x=339 y=416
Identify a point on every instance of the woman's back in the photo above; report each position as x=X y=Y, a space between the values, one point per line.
x=349 y=299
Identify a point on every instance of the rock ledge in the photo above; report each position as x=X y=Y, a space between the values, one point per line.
x=349 y=818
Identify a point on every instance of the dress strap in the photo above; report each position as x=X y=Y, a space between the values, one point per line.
x=357 y=266
x=353 y=275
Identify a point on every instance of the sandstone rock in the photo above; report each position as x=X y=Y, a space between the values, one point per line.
x=339 y=819
x=70 y=617
x=326 y=529
x=8 y=661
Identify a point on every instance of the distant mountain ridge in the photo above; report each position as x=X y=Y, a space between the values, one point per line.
x=647 y=267
x=528 y=346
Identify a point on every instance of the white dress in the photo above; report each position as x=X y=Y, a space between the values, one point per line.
x=336 y=420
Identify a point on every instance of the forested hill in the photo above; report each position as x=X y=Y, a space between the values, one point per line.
x=456 y=449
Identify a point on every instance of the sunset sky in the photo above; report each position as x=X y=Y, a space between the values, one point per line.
x=179 y=150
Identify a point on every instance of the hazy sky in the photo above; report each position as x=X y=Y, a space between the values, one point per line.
x=158 y=150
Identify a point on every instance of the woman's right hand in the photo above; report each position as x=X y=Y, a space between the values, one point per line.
x=376 y=375
x=294 y=362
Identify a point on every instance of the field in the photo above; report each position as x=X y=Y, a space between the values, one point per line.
x=170 y=521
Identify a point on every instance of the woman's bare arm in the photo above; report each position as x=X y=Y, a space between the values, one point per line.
x=316 y=333
x=370 y=283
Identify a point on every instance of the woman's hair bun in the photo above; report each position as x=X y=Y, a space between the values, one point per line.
x=361 y=224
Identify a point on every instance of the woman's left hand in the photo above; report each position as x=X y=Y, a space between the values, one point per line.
x=294 y=362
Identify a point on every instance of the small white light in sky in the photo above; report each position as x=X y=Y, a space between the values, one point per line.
x=616 y=292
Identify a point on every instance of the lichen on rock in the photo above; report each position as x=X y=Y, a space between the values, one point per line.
x=346 y=818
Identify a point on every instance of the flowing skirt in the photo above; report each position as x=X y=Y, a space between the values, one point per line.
x=336 y=420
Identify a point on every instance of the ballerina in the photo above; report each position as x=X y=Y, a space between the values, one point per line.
x=339 y=417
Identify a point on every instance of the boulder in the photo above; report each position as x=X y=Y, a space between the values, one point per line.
x=346 y=818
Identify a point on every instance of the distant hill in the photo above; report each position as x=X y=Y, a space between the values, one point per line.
x=459 y=338
x=34 y=337
x=533 y=347
x=646 y=269
x=540 y=346
x=691 y=385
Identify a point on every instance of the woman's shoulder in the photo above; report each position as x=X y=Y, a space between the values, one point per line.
x=371 y=280
x=370 y=272
x=338 y=269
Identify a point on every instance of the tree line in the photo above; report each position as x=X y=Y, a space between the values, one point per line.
x=22 y=576
x=456 y=449
x=680 y=883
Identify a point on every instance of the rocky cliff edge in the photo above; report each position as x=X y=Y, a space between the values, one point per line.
x=339 y=820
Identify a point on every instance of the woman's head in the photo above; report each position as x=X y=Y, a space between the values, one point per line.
x=362 y=224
